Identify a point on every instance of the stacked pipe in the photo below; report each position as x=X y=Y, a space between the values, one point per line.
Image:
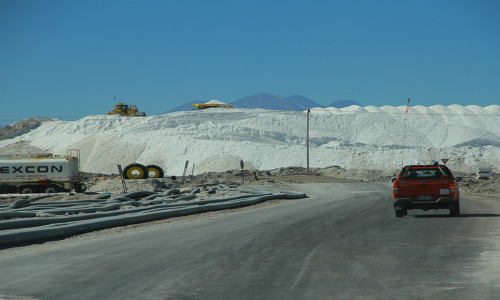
x=27 y=220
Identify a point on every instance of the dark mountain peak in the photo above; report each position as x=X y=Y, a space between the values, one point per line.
x=275 y=102
x=264 y=100
x=343 y=103
x=303 y=102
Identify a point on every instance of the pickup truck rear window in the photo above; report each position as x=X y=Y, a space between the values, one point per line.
x=427 y=173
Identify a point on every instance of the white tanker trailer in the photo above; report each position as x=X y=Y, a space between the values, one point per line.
x=41 y=173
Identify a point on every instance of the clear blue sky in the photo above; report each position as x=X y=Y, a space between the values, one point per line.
x=68 y=58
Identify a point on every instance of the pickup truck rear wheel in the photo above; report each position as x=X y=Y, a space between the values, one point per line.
x=399 y=213
x=454 y=212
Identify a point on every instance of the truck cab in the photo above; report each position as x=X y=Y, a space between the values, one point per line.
x=426 y=187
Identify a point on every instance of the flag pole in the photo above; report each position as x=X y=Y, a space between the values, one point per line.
x=404 y=137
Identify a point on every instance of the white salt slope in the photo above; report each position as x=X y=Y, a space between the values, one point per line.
x=215 y=102
x=215 y=140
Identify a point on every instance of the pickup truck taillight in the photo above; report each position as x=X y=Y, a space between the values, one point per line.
x=452 y=188
x=395 y=188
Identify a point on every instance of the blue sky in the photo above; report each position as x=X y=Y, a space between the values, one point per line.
x=70 y=58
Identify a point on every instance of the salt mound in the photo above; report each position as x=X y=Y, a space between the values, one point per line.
x=217 y=140
x=215 y=102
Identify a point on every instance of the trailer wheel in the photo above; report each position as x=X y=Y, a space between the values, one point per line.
x=154 y=171
x=80 y=187
x=51 y=189
x=27 y=189
x=135 y=171
x=4 y=189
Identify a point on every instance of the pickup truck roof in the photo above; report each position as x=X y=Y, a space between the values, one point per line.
x=425 y=172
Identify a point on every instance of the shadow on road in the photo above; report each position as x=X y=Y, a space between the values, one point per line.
x=460 y=216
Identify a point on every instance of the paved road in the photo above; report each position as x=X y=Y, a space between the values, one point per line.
x=343 y=242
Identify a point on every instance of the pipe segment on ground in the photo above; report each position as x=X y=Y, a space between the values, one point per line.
x=23 y=223
x=195 y=190
x=84 y=223
x=94 y=207
x=105 y=196
x=171 y=192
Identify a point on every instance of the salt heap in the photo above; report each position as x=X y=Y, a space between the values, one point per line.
x=217 y=139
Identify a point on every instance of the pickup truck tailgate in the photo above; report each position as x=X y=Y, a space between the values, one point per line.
x=424 y=190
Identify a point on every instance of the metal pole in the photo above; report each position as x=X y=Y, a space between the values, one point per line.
x=185 y=169
x=242 y=165
x=308 y=111
x=121 y=176
x=404 y=142
x=404 y=137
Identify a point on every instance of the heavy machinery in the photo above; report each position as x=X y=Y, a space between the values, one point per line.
x=205 y=106
x=212 y=104
x=126 y=110
x=41 y=173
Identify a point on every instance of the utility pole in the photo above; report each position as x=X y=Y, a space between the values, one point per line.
x=308 y=111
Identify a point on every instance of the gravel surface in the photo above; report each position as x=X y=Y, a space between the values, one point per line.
x=279 y=179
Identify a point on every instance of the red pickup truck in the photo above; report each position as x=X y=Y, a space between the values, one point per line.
x=426 y=187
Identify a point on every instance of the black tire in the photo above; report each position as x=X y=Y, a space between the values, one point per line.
x=27 y=189
x=399 y=213
x=455 y=212
x=154 y=171
x=4 y=189
x=50 y=189
x=135 y=171
x=80 y=187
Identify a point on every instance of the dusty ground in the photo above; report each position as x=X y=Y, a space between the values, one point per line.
x=277 y=179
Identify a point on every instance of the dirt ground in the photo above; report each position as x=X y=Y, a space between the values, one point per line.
x=279 y=179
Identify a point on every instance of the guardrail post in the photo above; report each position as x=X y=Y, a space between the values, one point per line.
x=121 y=176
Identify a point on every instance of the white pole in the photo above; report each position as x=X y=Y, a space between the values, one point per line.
x=404 y=137
x=308 y=111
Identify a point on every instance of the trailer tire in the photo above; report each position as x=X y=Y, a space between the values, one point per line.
x=4 y=189
x=154 y=171
x=135 y=171
x=80 y=187
x=27 y=189
x=50 y=189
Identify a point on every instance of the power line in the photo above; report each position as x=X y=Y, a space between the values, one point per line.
x=9 y=116
x=409 y=112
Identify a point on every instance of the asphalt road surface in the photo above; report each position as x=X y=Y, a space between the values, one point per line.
x=344 y=242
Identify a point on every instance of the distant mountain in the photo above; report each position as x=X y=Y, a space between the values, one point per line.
x=275 y=102
x=343 y=103
x=184 y=107
x=304 y=102
x=267 y=101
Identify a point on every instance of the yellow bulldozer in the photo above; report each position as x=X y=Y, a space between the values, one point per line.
x=127 y=111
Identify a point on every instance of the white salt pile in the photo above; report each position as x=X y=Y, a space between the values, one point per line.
x=217 y=139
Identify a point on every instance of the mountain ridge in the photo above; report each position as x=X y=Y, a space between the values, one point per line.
x=273 y=102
